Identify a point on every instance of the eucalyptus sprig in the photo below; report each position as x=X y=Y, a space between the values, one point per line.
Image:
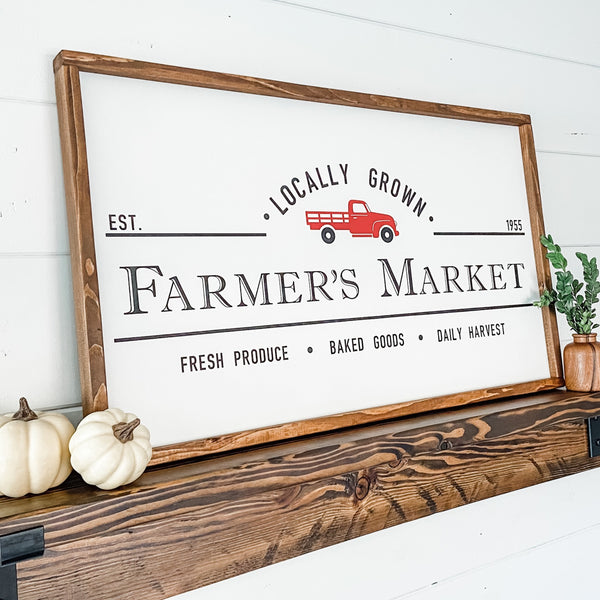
x=578 y=308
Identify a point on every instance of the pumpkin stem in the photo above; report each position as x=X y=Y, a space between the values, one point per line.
x=24 y=413
x=124 y=431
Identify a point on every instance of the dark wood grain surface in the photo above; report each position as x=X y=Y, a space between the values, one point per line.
x=191 y=524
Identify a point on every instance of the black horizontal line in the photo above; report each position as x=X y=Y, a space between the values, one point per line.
x=182 y=234
x=478 y=233
x=159 y=336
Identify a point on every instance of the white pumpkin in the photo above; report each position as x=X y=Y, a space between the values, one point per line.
x=110 y=448
x=34 y=451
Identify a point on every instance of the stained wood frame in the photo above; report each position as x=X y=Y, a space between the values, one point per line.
x=68 y=65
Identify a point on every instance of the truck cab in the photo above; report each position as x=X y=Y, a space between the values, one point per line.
x=366 y=223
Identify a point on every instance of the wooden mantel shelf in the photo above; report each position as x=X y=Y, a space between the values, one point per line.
x=183 y=526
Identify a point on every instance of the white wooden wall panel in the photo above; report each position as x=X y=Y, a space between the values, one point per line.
x=567 y=185
x=274 y=40
x=498 y=536
x=562 y=568
x=32 y=198
x=547 y=27
x=569 y=188
x=38 y=355
x=541 y=57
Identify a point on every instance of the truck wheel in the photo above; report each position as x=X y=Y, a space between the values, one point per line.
x=386 y=234
x=328 y=235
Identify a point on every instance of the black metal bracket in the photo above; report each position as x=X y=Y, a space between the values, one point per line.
x=8 y=583
x=15 y=547
x=594 y=436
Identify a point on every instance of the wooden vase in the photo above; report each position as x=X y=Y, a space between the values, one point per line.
x=582 y=363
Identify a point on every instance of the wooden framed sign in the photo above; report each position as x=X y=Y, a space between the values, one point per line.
x=256 y=260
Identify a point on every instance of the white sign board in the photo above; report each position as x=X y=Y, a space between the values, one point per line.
x=262 y=260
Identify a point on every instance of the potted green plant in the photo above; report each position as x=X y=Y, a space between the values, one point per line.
x=575 y=299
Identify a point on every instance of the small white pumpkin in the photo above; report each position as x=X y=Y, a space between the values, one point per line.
x=110 y=448
x=34 y=451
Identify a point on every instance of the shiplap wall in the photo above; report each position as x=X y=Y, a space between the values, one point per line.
x=540 y=57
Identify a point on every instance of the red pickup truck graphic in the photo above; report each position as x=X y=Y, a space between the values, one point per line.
x=359 y=221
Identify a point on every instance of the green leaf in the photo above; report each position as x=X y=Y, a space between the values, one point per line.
x=583 y=258
x=557 y=260
x=547 y=298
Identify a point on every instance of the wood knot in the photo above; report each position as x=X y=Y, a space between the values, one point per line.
x=445 y=445
x=363 y=485
x=89 y=267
